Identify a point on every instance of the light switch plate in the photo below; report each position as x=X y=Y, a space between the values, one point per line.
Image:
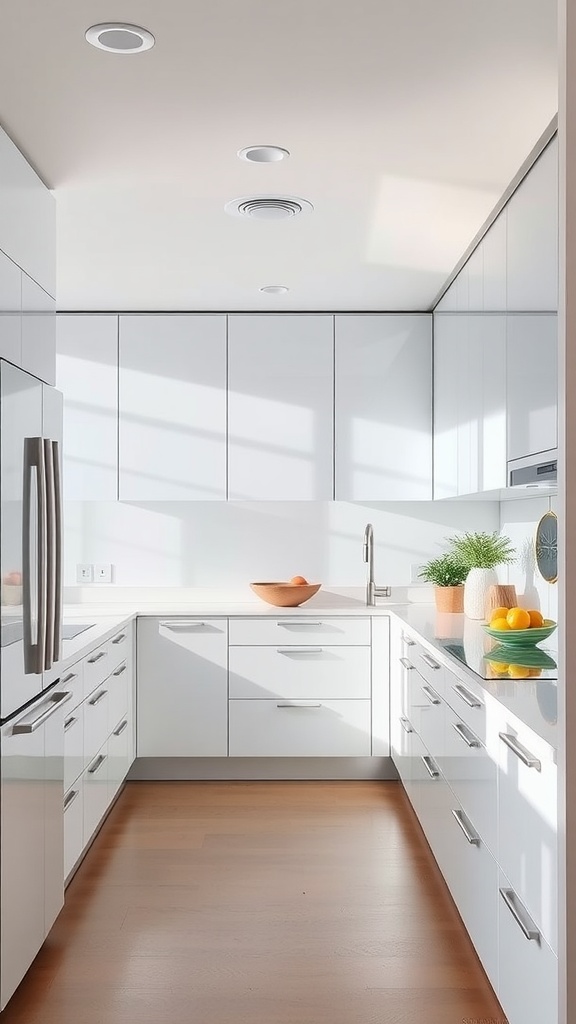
x=84 y=572
x=103 y=572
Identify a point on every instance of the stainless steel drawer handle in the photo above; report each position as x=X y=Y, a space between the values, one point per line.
x=407 y=664
x=431 y=695
x=54 y=702
x=466 y=696
x=97 y=764
x=297 y=704
x=463 y=823
x=466 y=734
x=431 y=767
x=408 y=641
x=119 y=639
x=183 y=624
x=299 y=622
x=406 y=725
x=521 y=752
x=70 y=798
x=120 y=671
x=68 y=679
x=299 y=650
x=96 y=700
x=430 y=661
x=121 y=728
x=521 y=916
x=97 y=657
x=69 y=723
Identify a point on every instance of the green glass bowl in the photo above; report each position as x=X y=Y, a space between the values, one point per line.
x=522 y=637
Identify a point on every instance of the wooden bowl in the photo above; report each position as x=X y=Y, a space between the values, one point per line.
x=285 y=595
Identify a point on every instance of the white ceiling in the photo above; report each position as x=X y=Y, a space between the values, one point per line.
x=406 y=119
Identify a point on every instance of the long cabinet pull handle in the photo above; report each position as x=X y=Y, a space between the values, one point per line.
x=69 y=723
x=407 y=664
x=121 y=728
x=406 y=725
x=521 y=752
x=97 y=764
x=466 y=696
x=431 y=695
x=120 y=671
x=464 y=825
x=183 y=624
x=96 y=700
x=97 y=657
x=430 y=661
x=431 y=767
x=58 y=522
x=521 y=916
x=297 y=704
x=299 y=650
x=70 y=798
x=50 y=554
x=54 y=703
x=34 y=572
x=466 y=734
x=68 y=679
x=118 y=639
x=299 y=622
x=408 y=641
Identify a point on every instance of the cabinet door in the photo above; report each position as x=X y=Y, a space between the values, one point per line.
x=10 y=310
x=280 y=407
x=27 y=216
x=532 y=247
x=532 y=384
x=527 y=968
x=172 y=390
x=449 y=351
x=73 y=825
x=38 y=331
x=87 y=374
x=383 y=407
x=486 y=393
x=493 y=246
x=182 y=688
x=95 y=793
x=120 y=754
x=273 y=728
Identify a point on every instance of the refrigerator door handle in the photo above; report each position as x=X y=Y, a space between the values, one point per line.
x=58 y=554
x=50 y=554
x=34 y=558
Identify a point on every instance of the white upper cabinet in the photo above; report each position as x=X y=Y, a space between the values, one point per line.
x=450 y=351
x=280 y=407
x=493 y=247
x=87 y=374
x=532 y=384
x=383 y=407
x=10 y=310
x=532 y=246
x=172 y=393
x=27 y=217
x=38 y=331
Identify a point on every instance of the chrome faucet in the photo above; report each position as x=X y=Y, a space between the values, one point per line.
x=372 y=591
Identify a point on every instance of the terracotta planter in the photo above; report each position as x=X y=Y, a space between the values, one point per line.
x=449 y=599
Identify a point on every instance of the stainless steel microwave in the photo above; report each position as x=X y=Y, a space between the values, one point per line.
x=539 y=470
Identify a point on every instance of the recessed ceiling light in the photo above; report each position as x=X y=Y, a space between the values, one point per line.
x=268 y=207
x=120 y=38
x=263 y=154
x=274 y=289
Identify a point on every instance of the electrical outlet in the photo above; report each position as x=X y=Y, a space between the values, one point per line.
x=103 y=572
x=414 y=574
x=84 y=573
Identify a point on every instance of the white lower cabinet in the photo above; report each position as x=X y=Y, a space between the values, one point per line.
x=120 y=754
x=471 y=773
x=95 y=789
x=300 y=728
x=73 y=825
x=527 y=967
x=300 y=671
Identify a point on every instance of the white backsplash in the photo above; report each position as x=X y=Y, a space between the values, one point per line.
x=518 y=520
x=212 y=544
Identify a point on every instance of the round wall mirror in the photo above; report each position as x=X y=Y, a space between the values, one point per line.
x=546 y=543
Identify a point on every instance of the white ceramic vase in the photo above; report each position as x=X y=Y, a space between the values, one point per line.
x=476 y=587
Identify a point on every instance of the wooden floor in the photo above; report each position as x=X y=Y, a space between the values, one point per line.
x=257 y=903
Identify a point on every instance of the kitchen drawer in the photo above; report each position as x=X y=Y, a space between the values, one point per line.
x=73 y=682
x=304 y=671
x=471 y=773
x=120 y=646
x=74 y=763
x=468 y=700
x=96 y=720
x=73 y=825
x=427 y=711
x=295 y=629
x=96 y=667
x=527 y=824
x=118 y=684
x=528 y=968
x=428 y=667
x=95 y=793
x=400 y=733
x=267 y=728
x=120 y=754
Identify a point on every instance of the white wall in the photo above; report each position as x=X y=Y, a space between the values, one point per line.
x=205 y=544
x=518 y=520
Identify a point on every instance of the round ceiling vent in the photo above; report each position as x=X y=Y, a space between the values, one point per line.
x=268 y=207
x=119 y=38
x=263 y=154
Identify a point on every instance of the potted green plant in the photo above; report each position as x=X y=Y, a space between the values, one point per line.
x=480 y=553
x=447 y=573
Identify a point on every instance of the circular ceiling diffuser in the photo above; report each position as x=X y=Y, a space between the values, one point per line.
x=117 y=37
x=263 y=154
x=268 y=207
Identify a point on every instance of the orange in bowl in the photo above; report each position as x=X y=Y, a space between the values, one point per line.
x=285 y=595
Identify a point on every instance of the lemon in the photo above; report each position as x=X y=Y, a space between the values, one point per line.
x=518 y=618
x=498 y=613
x=518 y=672
x=500 y=624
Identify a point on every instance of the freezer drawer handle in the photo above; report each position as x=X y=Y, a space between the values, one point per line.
x=121 y=728
x=408 y=641
x=430 y=661
x=119 y=639
x=120 y=671
x=407 y=664
x=466 y=734
x=521 y=752
x=299 y=650
x=97 y=657
x=54 y=702
x=461 y=821
x=431 y=695
x=96 y=700
x=431 y=767
x=70 y=798
x=69 y=723
x=406 y=725
x=466 y=696
x=521 y=917
x=297 y=704
x=96 y=766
